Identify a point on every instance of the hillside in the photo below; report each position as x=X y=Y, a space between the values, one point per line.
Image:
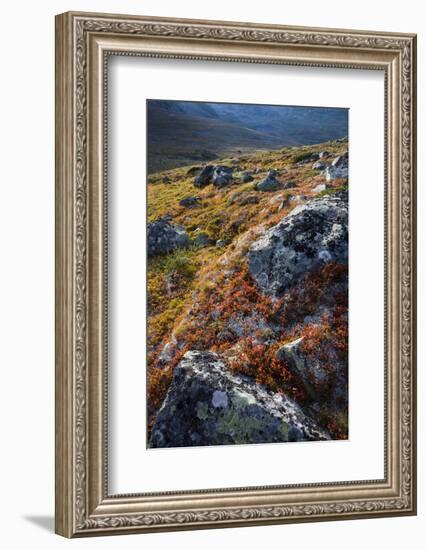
x=219 y=283
x=182 y=132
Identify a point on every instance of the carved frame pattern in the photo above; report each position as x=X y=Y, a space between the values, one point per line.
x=75 y=513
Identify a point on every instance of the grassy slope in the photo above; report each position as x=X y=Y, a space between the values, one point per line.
x=195 y=294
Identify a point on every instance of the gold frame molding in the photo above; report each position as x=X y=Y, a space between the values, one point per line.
x=83 y=43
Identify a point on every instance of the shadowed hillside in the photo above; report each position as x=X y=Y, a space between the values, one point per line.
x=182 y=132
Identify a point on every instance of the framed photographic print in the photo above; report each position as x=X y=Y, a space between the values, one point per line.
x=235 y=274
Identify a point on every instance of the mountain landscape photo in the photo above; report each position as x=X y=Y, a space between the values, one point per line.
x=247 y=274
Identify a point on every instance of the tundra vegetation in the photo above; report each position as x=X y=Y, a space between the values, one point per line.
x=247 y=298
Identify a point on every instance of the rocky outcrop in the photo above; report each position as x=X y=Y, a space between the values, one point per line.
x=270 y=183
x=312 y=234
x=205 y=176
x=222 y=176
x=219 y=175
x=207 y=405
x=338 y=168
x=164 y=237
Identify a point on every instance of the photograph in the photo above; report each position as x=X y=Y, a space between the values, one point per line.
x=235 y=271
x=247 y=273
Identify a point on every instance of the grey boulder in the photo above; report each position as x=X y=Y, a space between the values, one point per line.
x=189 y=202
x=309 y=236
x=338 y=168
x=208 y=405
x=270 y=183
x=222 y=176
x=247 y=177
x=205 y=176
x=164 y=237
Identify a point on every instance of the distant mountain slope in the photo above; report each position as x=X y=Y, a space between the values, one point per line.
x=181 y=132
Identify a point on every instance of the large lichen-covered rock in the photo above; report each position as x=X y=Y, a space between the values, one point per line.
x=208 y=405
x=311 y=235
x=164 y=237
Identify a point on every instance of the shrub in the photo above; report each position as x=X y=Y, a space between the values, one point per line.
x=301 y=156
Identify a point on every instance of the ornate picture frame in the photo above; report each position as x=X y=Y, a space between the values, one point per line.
x=84 y=42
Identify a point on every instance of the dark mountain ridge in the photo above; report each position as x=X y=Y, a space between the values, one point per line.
x=183 y=132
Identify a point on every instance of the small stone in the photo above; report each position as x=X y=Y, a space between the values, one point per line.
x=190 y=202
x=247 y=177
x=202 y=240
x=221 y=243
x=269 y=184
x=319 y=188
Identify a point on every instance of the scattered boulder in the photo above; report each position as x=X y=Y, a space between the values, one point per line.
x=324 y=154
x=218 y=175
x=312 y=234
x=222 y=176
x=221 y=243
x=202 y=240
x=319 y=165
x=166 y=179
x=205 y=176
x=270 y=183
x=164 y=237
x=208 y=405
x=338 y=168
x=190 y=202
x=247 y=177
x=167 y=353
